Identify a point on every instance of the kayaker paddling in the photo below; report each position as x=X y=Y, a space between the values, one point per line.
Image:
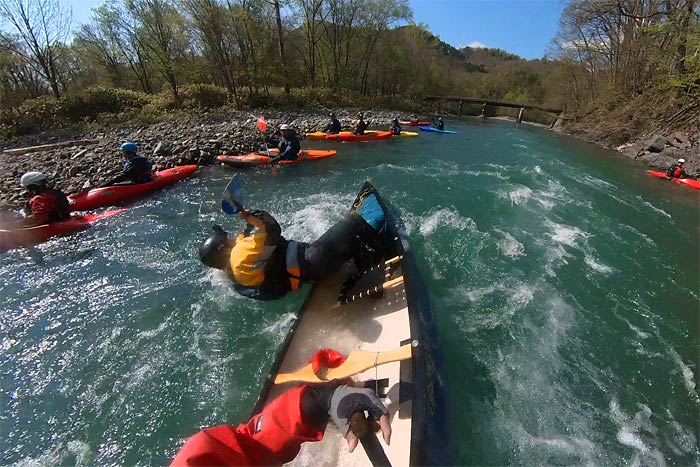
x=360 y=125
x=676 y=170
x=263 y=265
x=275 y=436
x=137 y=169
x=46 y=205
x=440 y=124
x=395 y=127
x=333 y=126
x=289 y=146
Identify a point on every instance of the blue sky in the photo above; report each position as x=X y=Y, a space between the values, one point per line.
x=522 y=27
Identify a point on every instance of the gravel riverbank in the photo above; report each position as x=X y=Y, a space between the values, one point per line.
x=197 y=139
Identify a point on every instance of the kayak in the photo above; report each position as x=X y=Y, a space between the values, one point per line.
x=399 y=317
x=254 y=158
x=413 y=123
x=368 y=136
x=403 y=134
x=11 y=239
x=689 y=182
x=109 y=195
x=318 y=135
x=435 y=130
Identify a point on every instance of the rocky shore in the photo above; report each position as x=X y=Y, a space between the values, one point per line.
x=197 y=139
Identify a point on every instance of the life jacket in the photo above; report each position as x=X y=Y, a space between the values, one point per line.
x=264 y=264
x=49 y=206
x=678 y=172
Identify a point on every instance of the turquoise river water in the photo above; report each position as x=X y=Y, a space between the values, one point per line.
x=564 y=281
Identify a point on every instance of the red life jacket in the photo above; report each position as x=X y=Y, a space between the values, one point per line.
x=678 y=172
x=272 y=437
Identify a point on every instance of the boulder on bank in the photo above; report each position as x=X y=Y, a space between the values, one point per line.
x=656 y=143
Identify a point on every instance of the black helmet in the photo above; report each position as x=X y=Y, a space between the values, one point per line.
x=210 y=250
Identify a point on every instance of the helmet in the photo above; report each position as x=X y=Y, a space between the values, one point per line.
x=32 y=178
x=210 y=249
x=331 y=114
x=284 y=126
x=129 y=148
x=681 y=161
x=439 y=119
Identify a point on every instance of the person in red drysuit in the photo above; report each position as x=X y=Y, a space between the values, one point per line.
x=274 y=436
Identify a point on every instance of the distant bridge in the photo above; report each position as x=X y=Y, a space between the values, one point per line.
x=495 y=103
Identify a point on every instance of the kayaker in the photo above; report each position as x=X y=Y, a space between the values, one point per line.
x=263 y=265
x=46 y=205
x=395 y=127
x=414 y=119
x=137 y=169
x=275 y=436
x=360 y=125
x=440 y=124
x=333 y=126
x=289 y=145
x=676 y=170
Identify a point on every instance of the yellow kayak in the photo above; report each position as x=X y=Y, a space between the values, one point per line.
x=403 y=134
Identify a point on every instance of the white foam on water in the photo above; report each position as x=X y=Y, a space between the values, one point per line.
x=641 y=334
x=518 y=296
x=566 y=234
x=684 y=439
x=537 y=169
x=630 y=433
x=658 y=210
x=280 y=327
x=641 y=235
x=598 y=183
x=688 y=375
x=480 y=173
x=509 y=246
x=74 y=452
x=597 y=266
x=519 y=195
x=554 y=194
x=445 y=218
x=318 y=214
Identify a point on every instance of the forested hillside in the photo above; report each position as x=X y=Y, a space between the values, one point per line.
x=137 y=59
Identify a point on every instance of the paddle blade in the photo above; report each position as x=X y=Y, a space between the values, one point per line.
x=262 y=124
x=232 y=197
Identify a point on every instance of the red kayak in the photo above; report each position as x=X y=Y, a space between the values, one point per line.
x=366 y=137
x=109 y=195
x=689 y=182
x=254 y=158
x=414 y=123
x=10 y=239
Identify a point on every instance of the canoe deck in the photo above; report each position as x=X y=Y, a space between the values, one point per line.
x=372 y=324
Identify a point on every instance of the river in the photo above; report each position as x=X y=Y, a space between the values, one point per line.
x=564 y=281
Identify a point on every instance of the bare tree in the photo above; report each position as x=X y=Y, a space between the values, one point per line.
x=41 y=27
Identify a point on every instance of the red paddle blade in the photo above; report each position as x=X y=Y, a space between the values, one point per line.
x=262 y=124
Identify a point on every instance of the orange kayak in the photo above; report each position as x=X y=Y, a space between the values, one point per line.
x=254 y=158
x=689 y=182
x=346 y=136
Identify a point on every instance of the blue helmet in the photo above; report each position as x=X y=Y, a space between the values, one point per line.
x=129 y=148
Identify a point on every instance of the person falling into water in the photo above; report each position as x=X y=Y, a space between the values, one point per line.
x=263 y=265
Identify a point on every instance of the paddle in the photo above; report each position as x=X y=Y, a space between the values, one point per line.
x=357 y=362
x=232 y=197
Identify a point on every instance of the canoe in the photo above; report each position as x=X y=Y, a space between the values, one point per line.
x=11 y=239
x=412 y=389
x=403 y=134
x=255 y=159
x=106 y=196
x=435 y=130
x=689 y=182
x=413 y=123
x=368 y=136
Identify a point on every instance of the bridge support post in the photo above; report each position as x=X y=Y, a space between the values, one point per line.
x=461 y=104
x=520 y=115
x=558 y=123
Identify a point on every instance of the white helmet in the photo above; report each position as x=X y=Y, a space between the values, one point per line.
x=284 y=126
x=32 y=178
x=681 y=161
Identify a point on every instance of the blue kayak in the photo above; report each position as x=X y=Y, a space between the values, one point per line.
x=430 y=128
